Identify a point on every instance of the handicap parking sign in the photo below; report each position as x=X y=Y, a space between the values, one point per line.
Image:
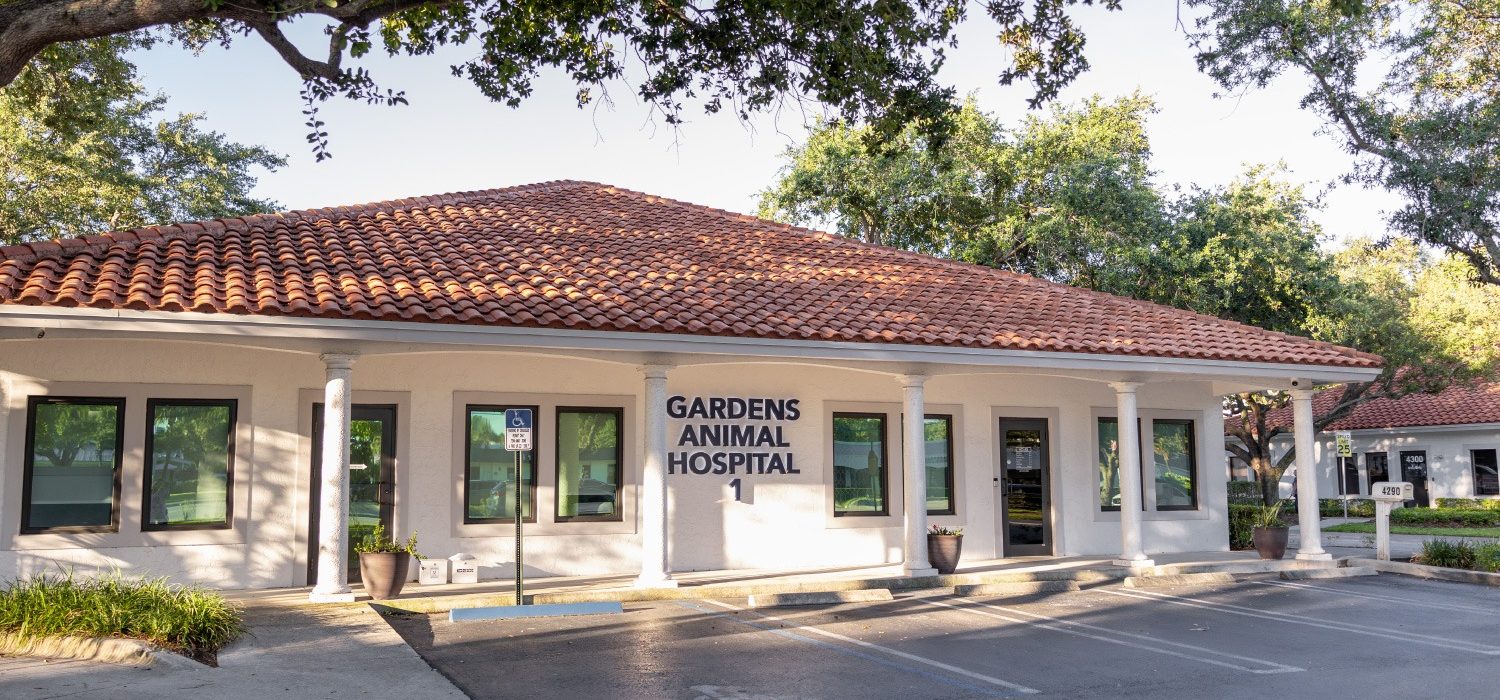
x=518 y=419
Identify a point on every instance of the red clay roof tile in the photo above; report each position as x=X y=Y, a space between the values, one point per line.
x=590 y=256
x=1460 y=404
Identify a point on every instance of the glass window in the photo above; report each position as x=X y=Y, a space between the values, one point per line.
x=490 y=470
x=190 y=448
x=859 y=468
x=938 y=432
x=1350 y=481
x=72 y=463
x=1377 y=467
x=1485 y=472
x=1173 y=444
x=588 y=463
x=1109 y=464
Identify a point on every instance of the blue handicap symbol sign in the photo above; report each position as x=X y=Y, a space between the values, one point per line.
x=518 y=419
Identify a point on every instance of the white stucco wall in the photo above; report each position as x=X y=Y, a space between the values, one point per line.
x=783 y=522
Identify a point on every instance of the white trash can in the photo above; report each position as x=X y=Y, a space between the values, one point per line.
x=432 y=571
x=465 y=568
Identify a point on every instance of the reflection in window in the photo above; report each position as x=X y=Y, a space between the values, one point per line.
x=859 y=469
x=588 y=463
x=938 y=433
x=1109 y=464
x=490 y=471
x=190 y=445
x=1486 y=482
x=1172 y=443
x=71 y=463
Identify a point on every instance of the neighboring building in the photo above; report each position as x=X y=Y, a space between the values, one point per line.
x=1446 y=444
x=712 y=391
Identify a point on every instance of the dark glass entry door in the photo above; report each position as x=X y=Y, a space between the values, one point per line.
x=1414 y=469
x=372 y=478
x=1024 y=494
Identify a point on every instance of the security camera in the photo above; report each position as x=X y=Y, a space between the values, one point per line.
x=1297 y=383
x=41 y=333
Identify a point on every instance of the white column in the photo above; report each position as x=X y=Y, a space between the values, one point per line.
x=1132 y=553
x=1310 y=527
x=914 y=466
x=333 y=517
x=655 y=572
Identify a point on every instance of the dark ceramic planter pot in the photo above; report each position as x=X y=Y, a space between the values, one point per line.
x=943 y=552
x=1270 y=542
x=384 y=573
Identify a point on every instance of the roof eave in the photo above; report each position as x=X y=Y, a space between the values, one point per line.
x=331 y=333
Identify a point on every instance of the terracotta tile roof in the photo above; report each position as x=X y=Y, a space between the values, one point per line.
x=587 y=256
x=1460 y=404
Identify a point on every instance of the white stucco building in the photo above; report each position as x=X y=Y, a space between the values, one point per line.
x=1446 y=444
x=172 y=397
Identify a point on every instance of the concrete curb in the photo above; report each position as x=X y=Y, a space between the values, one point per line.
x=120 y=652
x=1015 y=588
x=1255 y=566
x=1430 y=572
x=1168 y=580
x=442 y=604
x=1346 y=572
x=777 y=600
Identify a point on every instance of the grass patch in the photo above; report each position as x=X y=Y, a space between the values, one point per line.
x=1413 y=530
x=189 y=620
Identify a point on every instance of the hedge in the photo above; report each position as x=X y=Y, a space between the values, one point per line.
x=1358 y=508
x=1446 y=517
x=1242 y=525
x=1458 y=554
x=1245 y=493
x=1469 y=503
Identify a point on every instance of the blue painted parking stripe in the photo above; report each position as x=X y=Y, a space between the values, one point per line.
x=1011 y=689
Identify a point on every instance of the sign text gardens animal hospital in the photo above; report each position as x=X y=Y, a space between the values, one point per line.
x=732 y=435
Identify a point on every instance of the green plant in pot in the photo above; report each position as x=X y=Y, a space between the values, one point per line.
x=1269 y=535
x=944 y=545
x=384 y=563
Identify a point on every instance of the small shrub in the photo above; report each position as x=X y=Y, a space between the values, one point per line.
x=1245 y=493
x=190 y=620
x=377 y=542
x=1453 y=554
x=945 y=531
x=1242 y=525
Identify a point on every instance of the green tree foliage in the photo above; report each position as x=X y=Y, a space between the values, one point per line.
x=82 y=151
x=1067 y=197
x=1412 y=87
x=866 y=59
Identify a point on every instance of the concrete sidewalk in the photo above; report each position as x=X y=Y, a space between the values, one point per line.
x=741 y=583
x=290 y=652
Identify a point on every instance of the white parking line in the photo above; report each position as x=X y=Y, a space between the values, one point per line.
x=1151 y=644
x=1016 y=687
x=1383 y=598
x=1394 y=635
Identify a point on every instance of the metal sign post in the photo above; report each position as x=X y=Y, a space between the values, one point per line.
x=518 y=440
x=1386 y=495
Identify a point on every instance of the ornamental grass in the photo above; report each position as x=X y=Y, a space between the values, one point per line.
x=190 y=620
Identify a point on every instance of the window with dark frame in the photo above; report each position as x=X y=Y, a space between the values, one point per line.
x=1350 y=470
x=937 y=430
x=1486 y=466
x=589 y=459
x=860 y=470
x=489 y=469
x=189 y=474
x=71 y=470
x=1377 y=467
x=1174 y=447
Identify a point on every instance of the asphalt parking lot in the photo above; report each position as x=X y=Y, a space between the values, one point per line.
x=1385 y=636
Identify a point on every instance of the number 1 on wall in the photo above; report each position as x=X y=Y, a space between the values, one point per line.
x=735 y=484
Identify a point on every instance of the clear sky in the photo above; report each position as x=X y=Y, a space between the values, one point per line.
x=451 y=138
